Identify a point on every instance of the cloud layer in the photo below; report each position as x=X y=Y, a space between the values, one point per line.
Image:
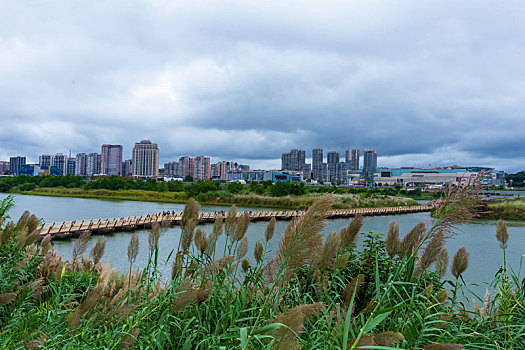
x=433 y=82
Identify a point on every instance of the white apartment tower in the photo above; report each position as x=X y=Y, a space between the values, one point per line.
x=145 y=160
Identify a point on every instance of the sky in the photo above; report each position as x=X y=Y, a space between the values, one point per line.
x=425 y=83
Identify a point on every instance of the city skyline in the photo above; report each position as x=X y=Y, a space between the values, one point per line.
x=436 y=83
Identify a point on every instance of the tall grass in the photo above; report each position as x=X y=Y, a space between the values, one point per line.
x=309 y=293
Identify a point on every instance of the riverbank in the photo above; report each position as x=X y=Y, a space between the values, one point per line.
x=346 y=201
x=506 y=209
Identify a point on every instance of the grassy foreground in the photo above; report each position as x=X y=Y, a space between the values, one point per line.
x=309 y=293
x=245 y=200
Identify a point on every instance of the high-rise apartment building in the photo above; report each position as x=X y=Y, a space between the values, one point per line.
x=201 y=168
x=352 y=158
x=126 y=168
x=332 y=160
x=59 y=161
x=145 y=160
x=4 y=166
x=185 y=166
x=369 y=164
x=111 y=160
x=71 y=165
x=81 y=164
x=93 y=164
x=171 y=168
x=318 y=167
x=15 y=164
x=45 y=161
x=294 y=160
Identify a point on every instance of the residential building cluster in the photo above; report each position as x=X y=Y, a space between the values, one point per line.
x=144 y=163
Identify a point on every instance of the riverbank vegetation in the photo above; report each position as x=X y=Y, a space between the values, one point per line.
x=304 y=292
x=281 y=195
x=506 y=209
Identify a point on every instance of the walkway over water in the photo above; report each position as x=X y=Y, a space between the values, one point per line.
x=70 y=229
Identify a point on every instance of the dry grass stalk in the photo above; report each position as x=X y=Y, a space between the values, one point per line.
x=154 y=236
x=33 y=344
x=350 y=233
x=268 y=233
x=432 y=250
x=442 y=263
x=301 y=239
x=258 y=252
x=133 y=248
x=185 y=296
x=242 y=248
x=459 y=262
x=294 y=319
x=502 y=234
x=176 y=268
x=442 y=296
x=392 y=242
x=7 y=298
x=189 y=220
x=98 y=250
x=411 y=241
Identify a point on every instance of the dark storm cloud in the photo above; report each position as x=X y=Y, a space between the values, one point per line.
x=435 y=82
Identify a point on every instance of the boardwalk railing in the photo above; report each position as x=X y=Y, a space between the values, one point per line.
x=67 y=229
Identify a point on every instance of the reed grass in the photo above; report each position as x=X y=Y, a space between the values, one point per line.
x=308 y=294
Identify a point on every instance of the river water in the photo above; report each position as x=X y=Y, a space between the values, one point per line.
x=478 y=236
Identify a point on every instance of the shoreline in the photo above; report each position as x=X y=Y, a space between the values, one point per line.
x=253 y=201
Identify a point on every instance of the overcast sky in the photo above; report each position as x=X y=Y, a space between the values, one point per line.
x=422 y=82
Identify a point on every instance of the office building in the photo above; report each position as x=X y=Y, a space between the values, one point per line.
x=352 y=158
x=111 y=160
x=59 y=161
x=81 y=164
x=369 y=164
x=145 y=160
x=15 y=164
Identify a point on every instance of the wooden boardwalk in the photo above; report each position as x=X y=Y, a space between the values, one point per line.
x=70 y=229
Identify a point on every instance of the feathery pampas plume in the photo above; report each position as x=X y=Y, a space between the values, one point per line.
x=46 y=243
x=327 y=253
x=432 y=250
x=258 y=251
x=98 y=250
x=230 y=221
x=502 y=234
x=442 y=263
x=242 y=226
x=301 y=239
x=81 y=244
x=459 y=262
x=412 y=240
x=350 y=233
x=189 y=220
x=392 y=241
x=242 y=248
x=268 y=234
x=133 y=248
x=154 y=236
x=294 y=319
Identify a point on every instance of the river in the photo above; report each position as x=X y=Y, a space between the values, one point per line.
x=478 y=236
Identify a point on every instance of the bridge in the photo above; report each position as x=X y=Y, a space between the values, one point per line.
x=71 y=229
